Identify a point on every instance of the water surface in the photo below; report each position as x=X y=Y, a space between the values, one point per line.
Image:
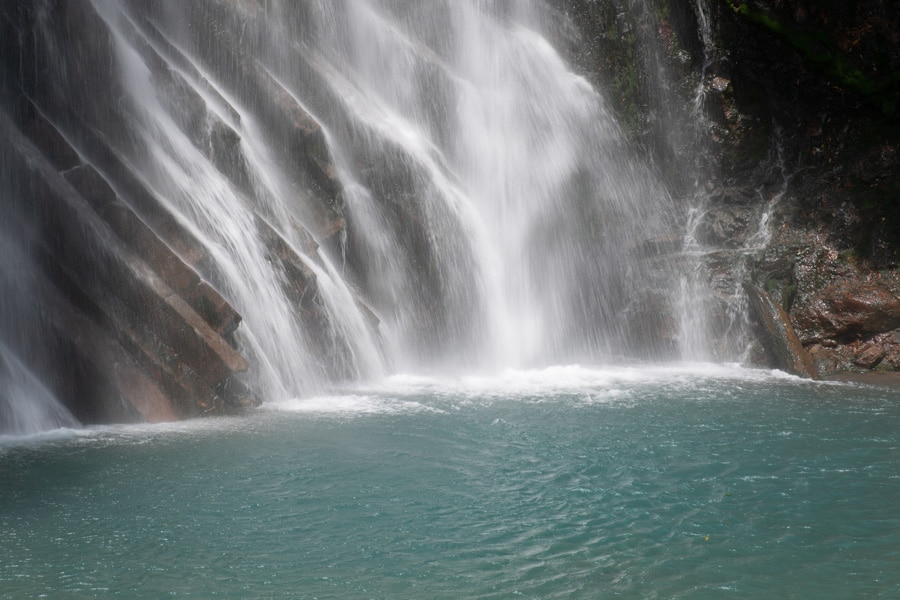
x=687 y=482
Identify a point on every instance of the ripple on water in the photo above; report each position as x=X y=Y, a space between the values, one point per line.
x=406 y=489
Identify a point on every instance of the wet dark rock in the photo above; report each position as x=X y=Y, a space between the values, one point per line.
x=848 y=310
x=723 y=226
x=660 y=246
x=868 y=356
x=733 y=195
x=53 y=145
x=202 y=297
x=650 y=326
x=115 y=297
x=91 y=185
x=778 y=336
x=301 y=287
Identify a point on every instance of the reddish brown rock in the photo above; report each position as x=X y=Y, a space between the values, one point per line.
x=868 y=356
x=121 y=300
x=826 y=360
x=847 y=310
x=778 y=336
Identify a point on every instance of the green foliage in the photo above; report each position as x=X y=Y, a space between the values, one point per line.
x=849 y=255
x=825 y=58
x=782 y=290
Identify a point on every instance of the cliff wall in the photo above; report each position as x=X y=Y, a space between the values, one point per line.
x=789 y=111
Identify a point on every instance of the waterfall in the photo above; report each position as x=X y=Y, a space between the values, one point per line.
x=512 y=225
x=26 y=405
x=373 y=185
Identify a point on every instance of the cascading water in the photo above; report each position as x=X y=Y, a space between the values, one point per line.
x=726 y=297
x=486 y=206
x=27 y=405
x=511 y=223
x=226 y=220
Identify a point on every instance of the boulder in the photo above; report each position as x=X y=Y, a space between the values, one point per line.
x=846 y=310
x=869 y=355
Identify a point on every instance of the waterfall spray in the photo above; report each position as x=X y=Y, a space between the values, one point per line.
x=372 y=185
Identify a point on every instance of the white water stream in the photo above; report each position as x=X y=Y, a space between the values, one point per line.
x=496 y=216
x=533 y=205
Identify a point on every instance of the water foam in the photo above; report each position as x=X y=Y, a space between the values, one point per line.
x=413 y=393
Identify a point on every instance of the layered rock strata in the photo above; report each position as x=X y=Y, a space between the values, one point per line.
x=105 y=292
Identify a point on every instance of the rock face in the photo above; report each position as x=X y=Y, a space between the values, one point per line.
x=108 y=310
x=780 y=339
x=798 y=138
x=852 y=324
x=108 y=294
x=833 y=252
x=848 y=310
